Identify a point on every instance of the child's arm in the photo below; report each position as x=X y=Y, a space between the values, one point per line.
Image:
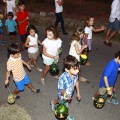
x=7 y=77
x=39 y=42
x=48 y=55
x=78 y=90
x=107 y=85
x=26 y=19
x=98 y=29
x=60 y=3
x=27 y=43
x=24 y=63
x=79 y=51
x=7 y=29
x=85 y=38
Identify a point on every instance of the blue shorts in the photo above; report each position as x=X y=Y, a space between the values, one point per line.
x=1 y=31
x=115 y=25
x=20 y=84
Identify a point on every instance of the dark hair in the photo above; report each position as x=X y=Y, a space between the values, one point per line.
x=13 y=48
x=88 y=18
x=117 y=54
x=76 y=34
x=71 y=61
x=54 y=30
x=10 y=14
x=21 y=2
x=31 y=27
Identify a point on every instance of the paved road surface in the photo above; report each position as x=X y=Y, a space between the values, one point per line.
x=38 y=105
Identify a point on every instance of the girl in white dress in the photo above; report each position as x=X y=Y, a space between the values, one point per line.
x=76 y=48
x=51 y=46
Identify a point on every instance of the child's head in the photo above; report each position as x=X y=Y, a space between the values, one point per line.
x=78 y=34
x=89 y=21
x=71 y=65
x=31 y=30
x=52 y=33
x=117 y=57
x=10 y=15
x=13 y=49
x=21 y=5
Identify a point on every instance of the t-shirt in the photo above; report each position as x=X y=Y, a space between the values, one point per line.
x=33 y=41
x=20 y=17
x=88 y=30
x=73 y=50
x=10 y=6
x=15 y=65
x=67 y=84
x=11 y=25
x=52 y=47
x=111 y=72
x=58 y=8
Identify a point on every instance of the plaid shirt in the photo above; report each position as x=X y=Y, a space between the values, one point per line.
x=67 y=84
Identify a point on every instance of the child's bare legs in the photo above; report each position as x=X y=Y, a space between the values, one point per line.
x=36 y=65
x=47 y=68
x=16 y=91
x=110 y=34
x=30 y=62
x=1 y=38
x=21 y=44
x=31 y=87
x=14 y=38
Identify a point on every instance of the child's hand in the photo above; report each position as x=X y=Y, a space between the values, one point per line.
x=55 y=57
x=28 y=67
x=6 y=82
x=109 y=92
x=34 y=46
x=78 y=97
x=102 y=27
x=65 y=96
x=84 y=46
x=27 y=18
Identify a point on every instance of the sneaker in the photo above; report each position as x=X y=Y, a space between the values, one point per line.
x=52 y=106
x=69 y=117
x=65 y=33
x=113 y=101
x=1 y=43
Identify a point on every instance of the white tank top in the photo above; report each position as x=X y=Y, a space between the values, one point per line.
x=33 y=41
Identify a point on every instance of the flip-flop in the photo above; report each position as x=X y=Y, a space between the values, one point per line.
x=40 y=70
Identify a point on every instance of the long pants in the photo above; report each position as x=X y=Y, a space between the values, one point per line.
x=59 y=18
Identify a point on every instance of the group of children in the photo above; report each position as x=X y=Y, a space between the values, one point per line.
x=80 y=40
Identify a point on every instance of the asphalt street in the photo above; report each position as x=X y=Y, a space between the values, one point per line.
x=37 y=105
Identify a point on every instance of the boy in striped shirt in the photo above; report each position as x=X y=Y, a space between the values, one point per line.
x=15 y=65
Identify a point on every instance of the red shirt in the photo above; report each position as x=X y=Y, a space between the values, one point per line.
x=21 y=15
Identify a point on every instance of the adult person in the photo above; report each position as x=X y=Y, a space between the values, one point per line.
x=59 y=18
x=10 y=6
x=114 y=19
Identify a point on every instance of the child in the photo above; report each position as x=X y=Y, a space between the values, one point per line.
x=11 y=26
x=32 y=44
x=67 y=82
x=88 y=32
x=51 y=47
x=1 y=31
x=76 y=48
x=109 y=77
x=23 y=21
x=15 y=65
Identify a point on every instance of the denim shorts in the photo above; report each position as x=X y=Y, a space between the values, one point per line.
x=1 y=31
x=115 y=25
x=20 y=84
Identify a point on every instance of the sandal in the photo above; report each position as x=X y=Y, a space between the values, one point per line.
x=88 y=64
x=40 y=70
x=43 y=81
x=108 y=43
x=56 y=77
x=37 y=91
